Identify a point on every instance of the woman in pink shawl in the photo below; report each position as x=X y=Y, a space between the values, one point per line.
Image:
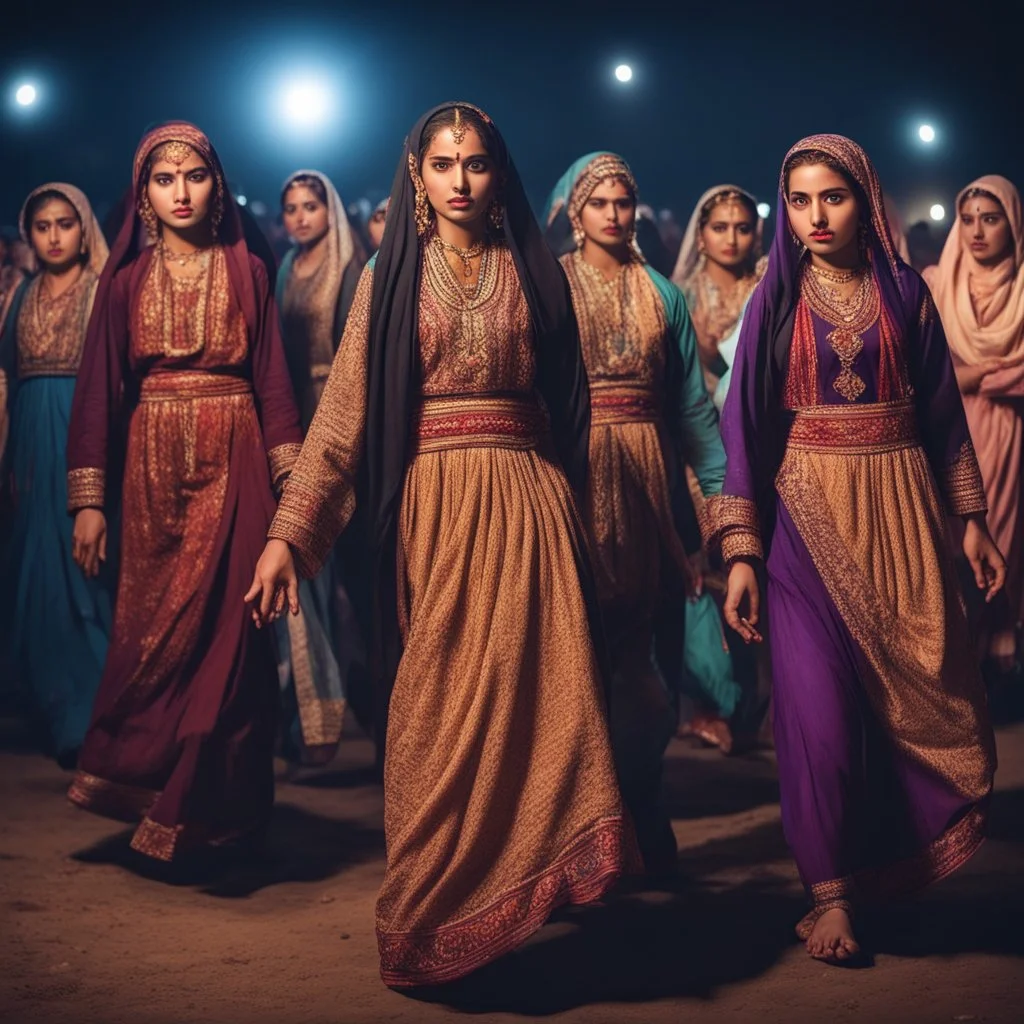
x=978 y=286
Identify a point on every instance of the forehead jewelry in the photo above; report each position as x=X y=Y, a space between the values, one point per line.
x=176 y=152
x=458 y=128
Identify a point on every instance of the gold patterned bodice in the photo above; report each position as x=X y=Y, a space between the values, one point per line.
x=191 y=322
x=622 y=321
x=51 y=332
x=307 y=318
x=474 y=341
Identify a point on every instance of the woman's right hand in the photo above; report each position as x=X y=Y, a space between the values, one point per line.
x=89 y=540
x=743 y=602
x=274 y=581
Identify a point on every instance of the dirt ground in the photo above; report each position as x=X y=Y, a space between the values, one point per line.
x=86 y=939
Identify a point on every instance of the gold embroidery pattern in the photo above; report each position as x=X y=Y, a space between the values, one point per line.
x=927 y=313
x=86 y=488
x=622 y=322
x=113 y=799
x=613 y=402
x=51 y=332
x=863 y=429
x=321 y=720
x=732 y=522
x=282 y=460
x=442 y=424
x=478 y=341
x=849 y=322
x=899 y=600
x=962 y=484
x=156 y=840
x=319 y=495
x=181 y=318
x=174 y=386
x=581 y=875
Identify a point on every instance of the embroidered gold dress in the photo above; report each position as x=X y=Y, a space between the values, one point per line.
x=500 y=793
x=630 y=330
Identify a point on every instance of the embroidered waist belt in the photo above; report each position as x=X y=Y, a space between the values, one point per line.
x=187 y=384
x=613 y=401
x=854 y=429
x=478 y=421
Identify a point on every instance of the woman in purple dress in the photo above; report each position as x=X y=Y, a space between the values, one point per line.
x=846 y=437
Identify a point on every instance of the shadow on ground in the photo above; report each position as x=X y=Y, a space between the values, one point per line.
x=299 y=847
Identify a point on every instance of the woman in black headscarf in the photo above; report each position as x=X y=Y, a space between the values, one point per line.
x=457 y=408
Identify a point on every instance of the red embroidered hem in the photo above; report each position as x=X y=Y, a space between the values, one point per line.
x=583 y=874
x=954 y=848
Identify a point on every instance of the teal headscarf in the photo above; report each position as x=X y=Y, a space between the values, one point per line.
x=579 y=181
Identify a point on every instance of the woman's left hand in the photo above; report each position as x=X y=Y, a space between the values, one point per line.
x=987 y=562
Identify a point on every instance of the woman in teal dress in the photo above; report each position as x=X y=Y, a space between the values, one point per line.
x=58 y=618
x=650 y=416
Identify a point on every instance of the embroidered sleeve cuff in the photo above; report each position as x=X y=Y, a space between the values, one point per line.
x=962 y=484
x=733 y=524
x=300 y=521
x=86 y=488
x=739 y=543
x=282 y=459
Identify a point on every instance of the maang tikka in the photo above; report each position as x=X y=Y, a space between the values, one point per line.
x=458 y=128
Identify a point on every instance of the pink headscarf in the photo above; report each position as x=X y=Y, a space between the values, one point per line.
x=989 y=326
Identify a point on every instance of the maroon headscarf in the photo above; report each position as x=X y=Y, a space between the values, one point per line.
x=105 y=352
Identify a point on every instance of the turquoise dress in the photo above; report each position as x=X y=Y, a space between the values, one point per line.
x=57 y=621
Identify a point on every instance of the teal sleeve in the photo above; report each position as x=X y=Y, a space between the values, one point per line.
x=696 y=421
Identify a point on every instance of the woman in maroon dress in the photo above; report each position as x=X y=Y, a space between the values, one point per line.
x=183 y=412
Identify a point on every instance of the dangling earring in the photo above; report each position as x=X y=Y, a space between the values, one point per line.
x=422 y=206
x=148 y=215
x=496 y=215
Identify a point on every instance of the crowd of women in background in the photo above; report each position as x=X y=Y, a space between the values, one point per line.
x=505 y=528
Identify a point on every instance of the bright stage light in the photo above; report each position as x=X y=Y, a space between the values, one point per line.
x=241 y=200
x=624 y=73
x=763 y=209
x=938 y=212
x=25 y=95
x=926 y=133
x=307 y=103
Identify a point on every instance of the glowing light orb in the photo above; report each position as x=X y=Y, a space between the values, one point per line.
x=25 y=95
x=307 y=103
x=624 y=73
x=938 y=212
x=241 y=200
x=763 y=209
x=926 y=133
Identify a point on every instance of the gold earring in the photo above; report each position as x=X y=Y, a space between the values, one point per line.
x=422 y=206
x=148 y=215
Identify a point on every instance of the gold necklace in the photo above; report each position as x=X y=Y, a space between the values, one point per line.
x=182 y=258
x=464 y=254
x=836 y=276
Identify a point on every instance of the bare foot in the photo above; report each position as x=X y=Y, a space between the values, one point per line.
x=832 y=939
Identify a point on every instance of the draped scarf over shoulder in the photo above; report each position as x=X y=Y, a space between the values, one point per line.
x=767 y=331
x=94 y=244
x=393 y=342
x=690 y=260
x=105 y=352
x=340 y=240
x=990 y=323
x=565 y=204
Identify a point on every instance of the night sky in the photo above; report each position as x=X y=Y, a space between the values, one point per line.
x=719 y=92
